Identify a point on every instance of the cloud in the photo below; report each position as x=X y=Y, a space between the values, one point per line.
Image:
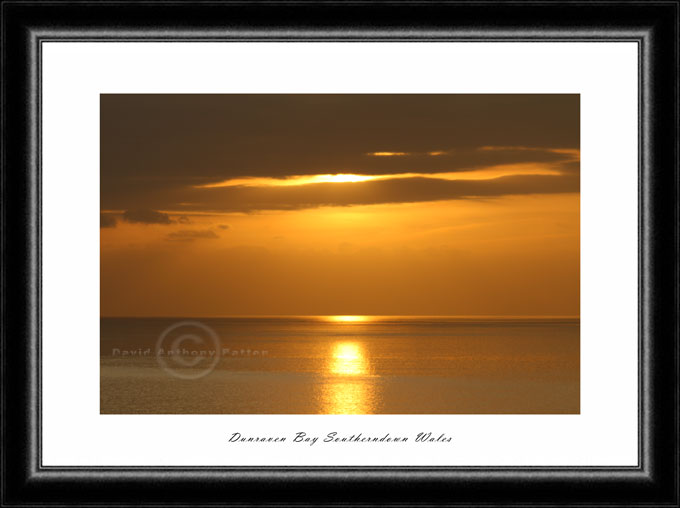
x=145 y=216
x=571 y=166
x=541 y=170
x=394 y=163
x=396 y=190
x=189 y=235
x=183 y=219
x=456 y=159
x=186 y=140
x=107 y=220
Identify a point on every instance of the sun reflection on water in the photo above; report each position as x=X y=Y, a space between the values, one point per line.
x=349 y=319
x=349 y=388
x=351 y=397
x=348 y=359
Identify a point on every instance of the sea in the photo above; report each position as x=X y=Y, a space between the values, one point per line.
x=340 y=365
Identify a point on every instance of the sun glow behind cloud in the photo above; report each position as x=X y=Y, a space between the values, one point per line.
x=403 y=154
x=290 y=181
x=294 y=180
x=387 y=154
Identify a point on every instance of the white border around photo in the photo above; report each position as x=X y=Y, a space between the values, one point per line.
x=604 y=74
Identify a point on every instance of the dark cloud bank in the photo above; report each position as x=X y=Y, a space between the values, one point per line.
x=156 y=148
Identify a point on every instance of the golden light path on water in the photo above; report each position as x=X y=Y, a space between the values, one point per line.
x=349 y=388
x=348 y=359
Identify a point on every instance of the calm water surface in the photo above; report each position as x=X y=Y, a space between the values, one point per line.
x=339 y=365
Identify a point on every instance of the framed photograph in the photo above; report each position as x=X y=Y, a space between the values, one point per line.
x=325 y=253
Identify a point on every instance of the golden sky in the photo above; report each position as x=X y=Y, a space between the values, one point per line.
x=217 y=205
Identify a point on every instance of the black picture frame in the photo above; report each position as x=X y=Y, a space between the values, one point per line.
x=653 y=25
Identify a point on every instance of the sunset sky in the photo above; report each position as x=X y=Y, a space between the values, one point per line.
x=226 y=205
